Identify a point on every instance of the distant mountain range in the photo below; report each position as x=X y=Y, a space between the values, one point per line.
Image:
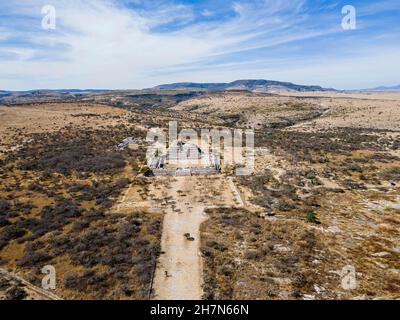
x=44 y=91
x=384 y=89
x=249 y=85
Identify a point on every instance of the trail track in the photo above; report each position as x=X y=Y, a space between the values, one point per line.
x=179 y=270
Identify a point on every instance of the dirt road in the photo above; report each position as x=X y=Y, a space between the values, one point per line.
x=179 y=270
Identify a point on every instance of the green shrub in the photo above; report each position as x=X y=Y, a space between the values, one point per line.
x=312 y=217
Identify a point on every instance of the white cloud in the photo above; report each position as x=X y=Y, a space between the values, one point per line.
x=102 y=44
x=105 y=46
x=207 y=13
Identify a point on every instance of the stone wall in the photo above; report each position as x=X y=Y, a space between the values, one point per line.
x=186 y=172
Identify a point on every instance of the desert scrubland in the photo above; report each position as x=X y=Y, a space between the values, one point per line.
x=322 y=201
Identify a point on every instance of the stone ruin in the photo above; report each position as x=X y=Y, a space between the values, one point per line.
x=184 y=159
x=126 y=143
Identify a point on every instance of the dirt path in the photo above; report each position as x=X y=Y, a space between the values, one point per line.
x=179 y=270
x=236 y=192
x=33 y=292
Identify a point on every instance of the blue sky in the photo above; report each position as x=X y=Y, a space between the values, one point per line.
x=127 y=44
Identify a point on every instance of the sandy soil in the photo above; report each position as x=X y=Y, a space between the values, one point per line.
x=378 y=113
x=253 y=110
x=357 y=110
x=28 y=119
x=352 y=95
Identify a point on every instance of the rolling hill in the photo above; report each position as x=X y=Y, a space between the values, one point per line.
x=384 y=89
x=249 y=85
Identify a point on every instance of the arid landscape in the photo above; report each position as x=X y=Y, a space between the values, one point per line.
x=322 y=204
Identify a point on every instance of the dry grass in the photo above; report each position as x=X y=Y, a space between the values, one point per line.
x=330 y=188
x=55 y=212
